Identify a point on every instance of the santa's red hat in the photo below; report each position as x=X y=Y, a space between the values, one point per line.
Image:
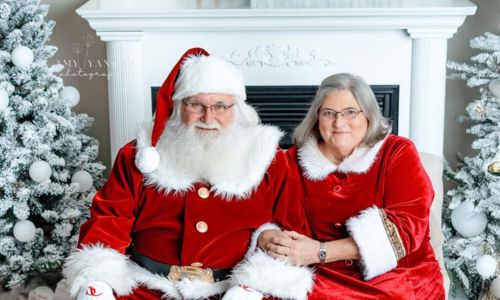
x=195 y=72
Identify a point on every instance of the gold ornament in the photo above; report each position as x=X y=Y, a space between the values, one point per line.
x=494 y=168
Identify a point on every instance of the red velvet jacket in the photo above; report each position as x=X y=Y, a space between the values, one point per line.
x=182 y=227
x=381 y=197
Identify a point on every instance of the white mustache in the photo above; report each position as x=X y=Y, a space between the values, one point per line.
x=207 y=126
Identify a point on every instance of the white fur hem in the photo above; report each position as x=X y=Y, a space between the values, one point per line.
x=96 y=262
x=255 y=236
x=273 y=277
x=375 y=248
x=316 y=166
x=185 y=289
x=100 y=263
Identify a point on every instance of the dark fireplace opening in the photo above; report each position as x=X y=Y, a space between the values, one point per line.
x=286 y=106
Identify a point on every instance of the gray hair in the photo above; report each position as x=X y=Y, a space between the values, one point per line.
x=378 y=125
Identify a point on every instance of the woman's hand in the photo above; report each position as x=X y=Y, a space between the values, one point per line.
x=296 y=248
x=273 y=241
x=303 y=250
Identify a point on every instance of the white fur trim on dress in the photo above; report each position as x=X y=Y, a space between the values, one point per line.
x=230 y=178
x=97 y=262
x=375 y=248
x=255 y=236
x=272 y=276
x=317 y=167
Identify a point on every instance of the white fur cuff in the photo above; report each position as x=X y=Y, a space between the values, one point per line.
x=99 y=263
x=255 y=236
x=272 y=276
x=375 y=248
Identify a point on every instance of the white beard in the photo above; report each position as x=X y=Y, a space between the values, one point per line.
x=232 y=160
x=200 y=153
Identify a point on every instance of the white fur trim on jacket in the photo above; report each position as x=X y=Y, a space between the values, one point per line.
x=255 y=236
x=184 y=289
x=272 y=276
x=97 y=262
x=375 y=248
x=256 y=153
x=316 y=166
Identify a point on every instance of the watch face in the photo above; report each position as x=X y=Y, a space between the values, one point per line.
x=322 y=253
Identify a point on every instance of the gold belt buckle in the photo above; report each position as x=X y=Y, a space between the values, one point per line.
x=193 y=272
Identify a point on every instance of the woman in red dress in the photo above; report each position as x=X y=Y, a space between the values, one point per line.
x=366 y=198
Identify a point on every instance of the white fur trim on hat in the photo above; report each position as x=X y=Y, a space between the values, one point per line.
x=208 y=74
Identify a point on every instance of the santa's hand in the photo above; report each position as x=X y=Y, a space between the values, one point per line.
x=242 y=292
x=96 y=290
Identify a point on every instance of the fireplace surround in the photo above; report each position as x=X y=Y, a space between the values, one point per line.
x=283 y=43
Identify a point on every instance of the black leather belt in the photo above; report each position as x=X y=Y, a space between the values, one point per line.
x=157 y=267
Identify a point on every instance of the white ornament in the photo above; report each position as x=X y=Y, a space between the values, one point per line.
x=40 y=171
x=22 y=57
x=84 y=180
x=71 y=95
x=466 y=222
x=41 y=293
x=494 y=87
x=24 y=231
x=147 y=160
x=486 y=266
x=4 y=100
x=495 y=287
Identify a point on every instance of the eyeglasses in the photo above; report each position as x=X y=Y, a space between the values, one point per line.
x=196 y=107
x=348 y=114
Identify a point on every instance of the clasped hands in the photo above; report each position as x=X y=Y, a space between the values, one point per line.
x=290 y=245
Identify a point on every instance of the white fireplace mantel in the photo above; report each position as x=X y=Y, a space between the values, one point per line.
x=388 y=42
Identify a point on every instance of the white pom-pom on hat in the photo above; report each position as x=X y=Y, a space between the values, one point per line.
x=147 y=160
x=208 y=74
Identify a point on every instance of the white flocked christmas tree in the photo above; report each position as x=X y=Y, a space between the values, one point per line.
x=472 y=216
x=48 y=168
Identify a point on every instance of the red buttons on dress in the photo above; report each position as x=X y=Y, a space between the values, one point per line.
x=337 y=188
x=338 y=225
x=201 y=227
x=348 y=262
x=203 y=192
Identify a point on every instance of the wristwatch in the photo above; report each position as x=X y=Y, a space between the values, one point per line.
x=322 y=253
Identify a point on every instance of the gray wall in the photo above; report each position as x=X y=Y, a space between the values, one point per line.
x=77 y=41
x=458 y=95
x=72 y=29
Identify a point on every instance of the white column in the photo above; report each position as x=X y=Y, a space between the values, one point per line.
x=127 y=108
x=428 y=83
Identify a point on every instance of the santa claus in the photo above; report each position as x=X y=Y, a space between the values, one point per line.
x=179 y=215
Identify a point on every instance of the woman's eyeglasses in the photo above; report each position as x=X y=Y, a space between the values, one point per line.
x=347 y=114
